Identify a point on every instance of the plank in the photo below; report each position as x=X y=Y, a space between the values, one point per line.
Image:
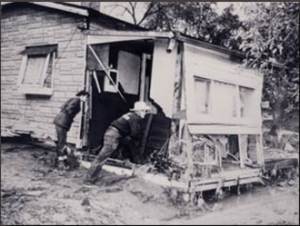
x=242 y=139
x=146 y=134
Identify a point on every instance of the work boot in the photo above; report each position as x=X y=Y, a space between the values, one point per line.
x=92 y=174
x=90 y=180
x=61 y=162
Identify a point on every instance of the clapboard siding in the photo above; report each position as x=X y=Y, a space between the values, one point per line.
x=28 y=26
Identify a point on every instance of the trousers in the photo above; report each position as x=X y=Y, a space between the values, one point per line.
x=110 y=144
x=61 y=134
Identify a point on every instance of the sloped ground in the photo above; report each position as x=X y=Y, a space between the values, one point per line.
x=34 y=193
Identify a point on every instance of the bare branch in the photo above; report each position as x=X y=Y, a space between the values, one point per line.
x=133 y=11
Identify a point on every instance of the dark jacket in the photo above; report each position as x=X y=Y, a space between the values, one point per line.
x=129 y=124
x=68 y=111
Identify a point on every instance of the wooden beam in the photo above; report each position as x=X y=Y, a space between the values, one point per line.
x=146 y=134
x=143 y=78
x=96 y=81
x=222 y=129
x=189 y=152
x=100 y=39
x=145 y=34
x=70 y=9
x=106 y=72
x=259 y=149
x=242 y=139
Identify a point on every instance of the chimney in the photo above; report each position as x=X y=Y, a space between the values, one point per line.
x=93 y=5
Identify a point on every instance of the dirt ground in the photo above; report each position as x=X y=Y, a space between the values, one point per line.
x=34 y=193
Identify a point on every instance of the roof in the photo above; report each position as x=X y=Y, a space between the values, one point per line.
x=78 y=10
x=128 y=28
x=170 y=35
x=97 y=14
x=191 y=40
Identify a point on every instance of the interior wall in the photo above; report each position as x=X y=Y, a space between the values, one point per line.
x=129 y=65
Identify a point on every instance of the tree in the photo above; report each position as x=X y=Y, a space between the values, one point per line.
x=137 y=11
x=270 y=40
x=196 y=19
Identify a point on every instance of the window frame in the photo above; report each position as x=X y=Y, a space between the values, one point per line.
x=211 y=116
x=108 y=87
x=30 y=89
x=207 y=100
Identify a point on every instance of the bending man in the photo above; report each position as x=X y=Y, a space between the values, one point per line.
x=64 y=120
x=128 y=125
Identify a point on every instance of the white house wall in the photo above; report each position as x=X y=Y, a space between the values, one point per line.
x=208 y=64
x=163 y=75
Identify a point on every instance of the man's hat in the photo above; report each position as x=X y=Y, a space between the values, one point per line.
x=140 y=105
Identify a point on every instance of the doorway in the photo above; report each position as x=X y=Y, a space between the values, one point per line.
x=131 y=74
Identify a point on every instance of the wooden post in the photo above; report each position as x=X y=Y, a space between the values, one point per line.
x=259 y=150
x=242 y=139
x=206 y=167
x=189 y=151
x=143 y=77
x=96 y=81
x=146 y=134
x=79 y=140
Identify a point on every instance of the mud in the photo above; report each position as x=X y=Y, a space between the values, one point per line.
x=32 y=192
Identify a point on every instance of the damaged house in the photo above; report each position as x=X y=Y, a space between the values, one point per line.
x=206 y=106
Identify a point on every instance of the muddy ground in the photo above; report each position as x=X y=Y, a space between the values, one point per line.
x=34 y=193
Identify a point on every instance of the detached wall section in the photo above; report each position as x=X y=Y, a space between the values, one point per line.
x=222 y=97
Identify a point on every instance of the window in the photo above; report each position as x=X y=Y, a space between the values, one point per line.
x=109 y=86
x=248 y=108
x=202 y=90
x=36 y=73
x=225 y=100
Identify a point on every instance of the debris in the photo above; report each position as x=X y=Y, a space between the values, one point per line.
x=281 y=184
x=173 y=194
x=85 y=202
x=186 y=197
x=216 y=207
x=291 y=182
x=288 y=147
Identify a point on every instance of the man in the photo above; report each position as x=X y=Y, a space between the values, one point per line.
x=127 y=126
x=64 y=120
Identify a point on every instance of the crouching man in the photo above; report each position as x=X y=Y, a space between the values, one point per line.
x=128 y=125
x=64 y=120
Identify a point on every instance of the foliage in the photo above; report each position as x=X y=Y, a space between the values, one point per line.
x=196 y=19
x=271 y=40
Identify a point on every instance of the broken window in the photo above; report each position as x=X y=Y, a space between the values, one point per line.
x=36 y=74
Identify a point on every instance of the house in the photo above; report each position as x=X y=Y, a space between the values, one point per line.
x=43 y=61
x=51 y=50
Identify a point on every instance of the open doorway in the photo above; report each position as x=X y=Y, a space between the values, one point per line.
x=129 y=65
